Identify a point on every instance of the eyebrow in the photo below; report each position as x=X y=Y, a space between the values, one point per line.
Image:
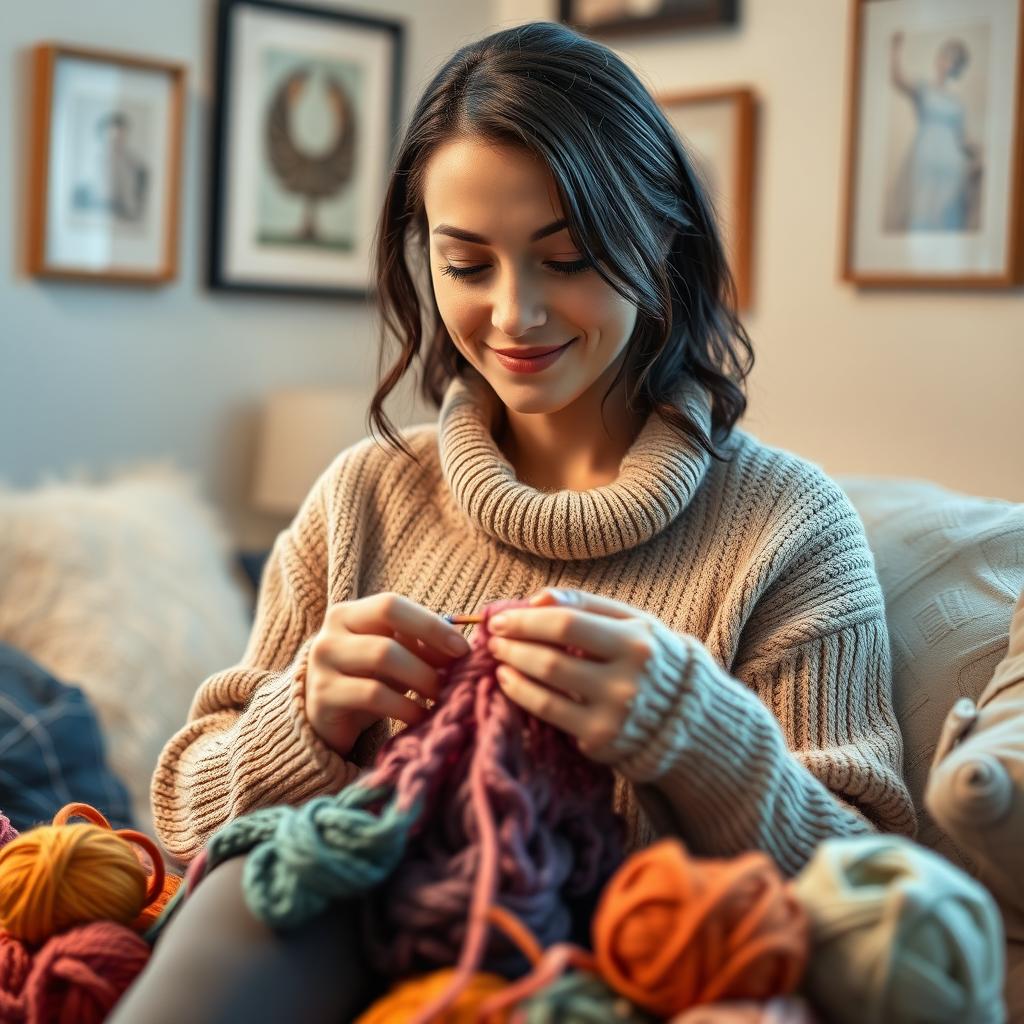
x=471 y=236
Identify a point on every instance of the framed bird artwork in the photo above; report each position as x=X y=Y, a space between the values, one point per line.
x=305 y=117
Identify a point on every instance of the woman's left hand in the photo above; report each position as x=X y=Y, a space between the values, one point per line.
x=589 y=697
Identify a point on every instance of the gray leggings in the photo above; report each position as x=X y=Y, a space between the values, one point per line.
x=215 y=963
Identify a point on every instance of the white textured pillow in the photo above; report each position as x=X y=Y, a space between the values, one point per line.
x=951 y=567
x=123 y=587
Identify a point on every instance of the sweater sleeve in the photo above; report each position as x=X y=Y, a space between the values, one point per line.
x=247 y=742
x=732 y=777
x=789 y=737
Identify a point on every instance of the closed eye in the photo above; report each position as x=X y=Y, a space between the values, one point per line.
x=575 y=267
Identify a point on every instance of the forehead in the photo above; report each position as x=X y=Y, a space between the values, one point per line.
x=489 y=188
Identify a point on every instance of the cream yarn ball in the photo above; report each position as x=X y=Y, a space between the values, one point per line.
x=899 y=935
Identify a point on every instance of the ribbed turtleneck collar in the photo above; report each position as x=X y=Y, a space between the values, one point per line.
x=657 y=478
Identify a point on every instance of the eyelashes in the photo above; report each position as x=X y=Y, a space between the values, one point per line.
x=462 y=273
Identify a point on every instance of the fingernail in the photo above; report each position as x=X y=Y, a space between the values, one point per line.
x=456 y=644
x=498 y=624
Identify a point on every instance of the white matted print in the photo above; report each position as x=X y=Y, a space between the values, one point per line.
x=307 y=116
x=107 y=165
x=934 y=191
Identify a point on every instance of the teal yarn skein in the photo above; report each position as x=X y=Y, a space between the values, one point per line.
x=900 y=935
x=303 y=858
x=579 y=998
x=322 y=852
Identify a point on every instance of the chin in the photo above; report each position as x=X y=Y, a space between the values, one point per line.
x=549 y=398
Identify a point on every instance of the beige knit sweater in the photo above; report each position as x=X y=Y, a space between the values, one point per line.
x=774 y=729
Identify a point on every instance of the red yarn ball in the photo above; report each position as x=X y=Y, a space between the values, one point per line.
x=75 y=977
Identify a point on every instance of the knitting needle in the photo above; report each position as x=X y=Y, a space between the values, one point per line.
x=462 y=619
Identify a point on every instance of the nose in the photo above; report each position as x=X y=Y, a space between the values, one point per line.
x=519 y=305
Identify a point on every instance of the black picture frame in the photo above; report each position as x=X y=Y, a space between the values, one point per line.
x=674 y=14
x=220 y=275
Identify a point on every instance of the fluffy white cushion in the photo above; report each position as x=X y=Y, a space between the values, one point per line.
x=123 y=587
x=951 y=567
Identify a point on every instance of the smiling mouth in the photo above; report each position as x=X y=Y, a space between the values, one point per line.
x=512 y=354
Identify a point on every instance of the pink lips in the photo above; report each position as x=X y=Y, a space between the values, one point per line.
x=519 y=364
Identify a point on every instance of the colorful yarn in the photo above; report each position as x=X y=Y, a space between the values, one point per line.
x=77 y=976
x=900 y=934
x=407 y=998
x=578 y=998
x=480 y=804
x=54 y=877
x=673 y=931
x=151 y=912
x=7 y=830
x=782 y=1010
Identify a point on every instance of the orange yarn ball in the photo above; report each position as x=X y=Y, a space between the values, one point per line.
x=54 y=877
x=408 y=997
x=672 y=931
x=155 y=909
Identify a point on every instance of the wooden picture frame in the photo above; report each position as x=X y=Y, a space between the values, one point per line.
x=267 y=235
x=719 y=128
x=105 y=166
x=934 y=169
x=609 y=17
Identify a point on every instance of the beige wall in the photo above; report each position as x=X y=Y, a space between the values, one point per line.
x=901 y=382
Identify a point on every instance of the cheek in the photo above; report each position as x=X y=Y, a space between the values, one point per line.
x=461 y=313
x=602 y=308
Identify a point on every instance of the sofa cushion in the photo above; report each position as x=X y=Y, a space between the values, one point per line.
x=52 y=752
x=951 y=567
x=124 y=586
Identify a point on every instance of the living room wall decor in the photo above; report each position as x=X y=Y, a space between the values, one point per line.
x=607 y=17
x=718 y=126
x=306 y=114
x=105 y=165
x=935 y=144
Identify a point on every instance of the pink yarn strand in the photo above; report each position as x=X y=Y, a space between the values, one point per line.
x=485 y=883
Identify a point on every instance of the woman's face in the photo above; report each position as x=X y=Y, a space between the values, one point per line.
x=521 y=282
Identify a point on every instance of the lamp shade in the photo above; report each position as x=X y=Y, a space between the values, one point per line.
x=301 y=431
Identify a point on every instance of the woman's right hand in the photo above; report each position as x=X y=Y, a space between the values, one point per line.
x=368 y=653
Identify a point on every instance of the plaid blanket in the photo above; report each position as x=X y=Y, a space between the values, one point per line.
x=51 y=748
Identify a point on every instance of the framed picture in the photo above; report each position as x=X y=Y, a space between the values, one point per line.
x=718 y=127
x=935 y=144
x=305 y=124
x=106 y=166
x=606 y=17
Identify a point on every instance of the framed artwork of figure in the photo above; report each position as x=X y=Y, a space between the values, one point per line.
x=935 y=146
x=306 y=115
x=105 y=166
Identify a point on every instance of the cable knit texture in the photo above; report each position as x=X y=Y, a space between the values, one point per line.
x=771 y=723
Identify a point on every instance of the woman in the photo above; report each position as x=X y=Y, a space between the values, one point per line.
x=737 y=675
x=937 y=187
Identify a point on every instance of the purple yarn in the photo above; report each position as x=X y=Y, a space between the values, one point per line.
x=7 y=830
x=558 y=837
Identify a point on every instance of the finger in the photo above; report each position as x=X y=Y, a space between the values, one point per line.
x=379 y=657
x=547 y=704
x=551 y=667
x=584 y=600
x=374 y=696
x=390 y=612
x=424 y=651
x=603 y=638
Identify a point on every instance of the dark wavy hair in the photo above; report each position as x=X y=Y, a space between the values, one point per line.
x=635 y=206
